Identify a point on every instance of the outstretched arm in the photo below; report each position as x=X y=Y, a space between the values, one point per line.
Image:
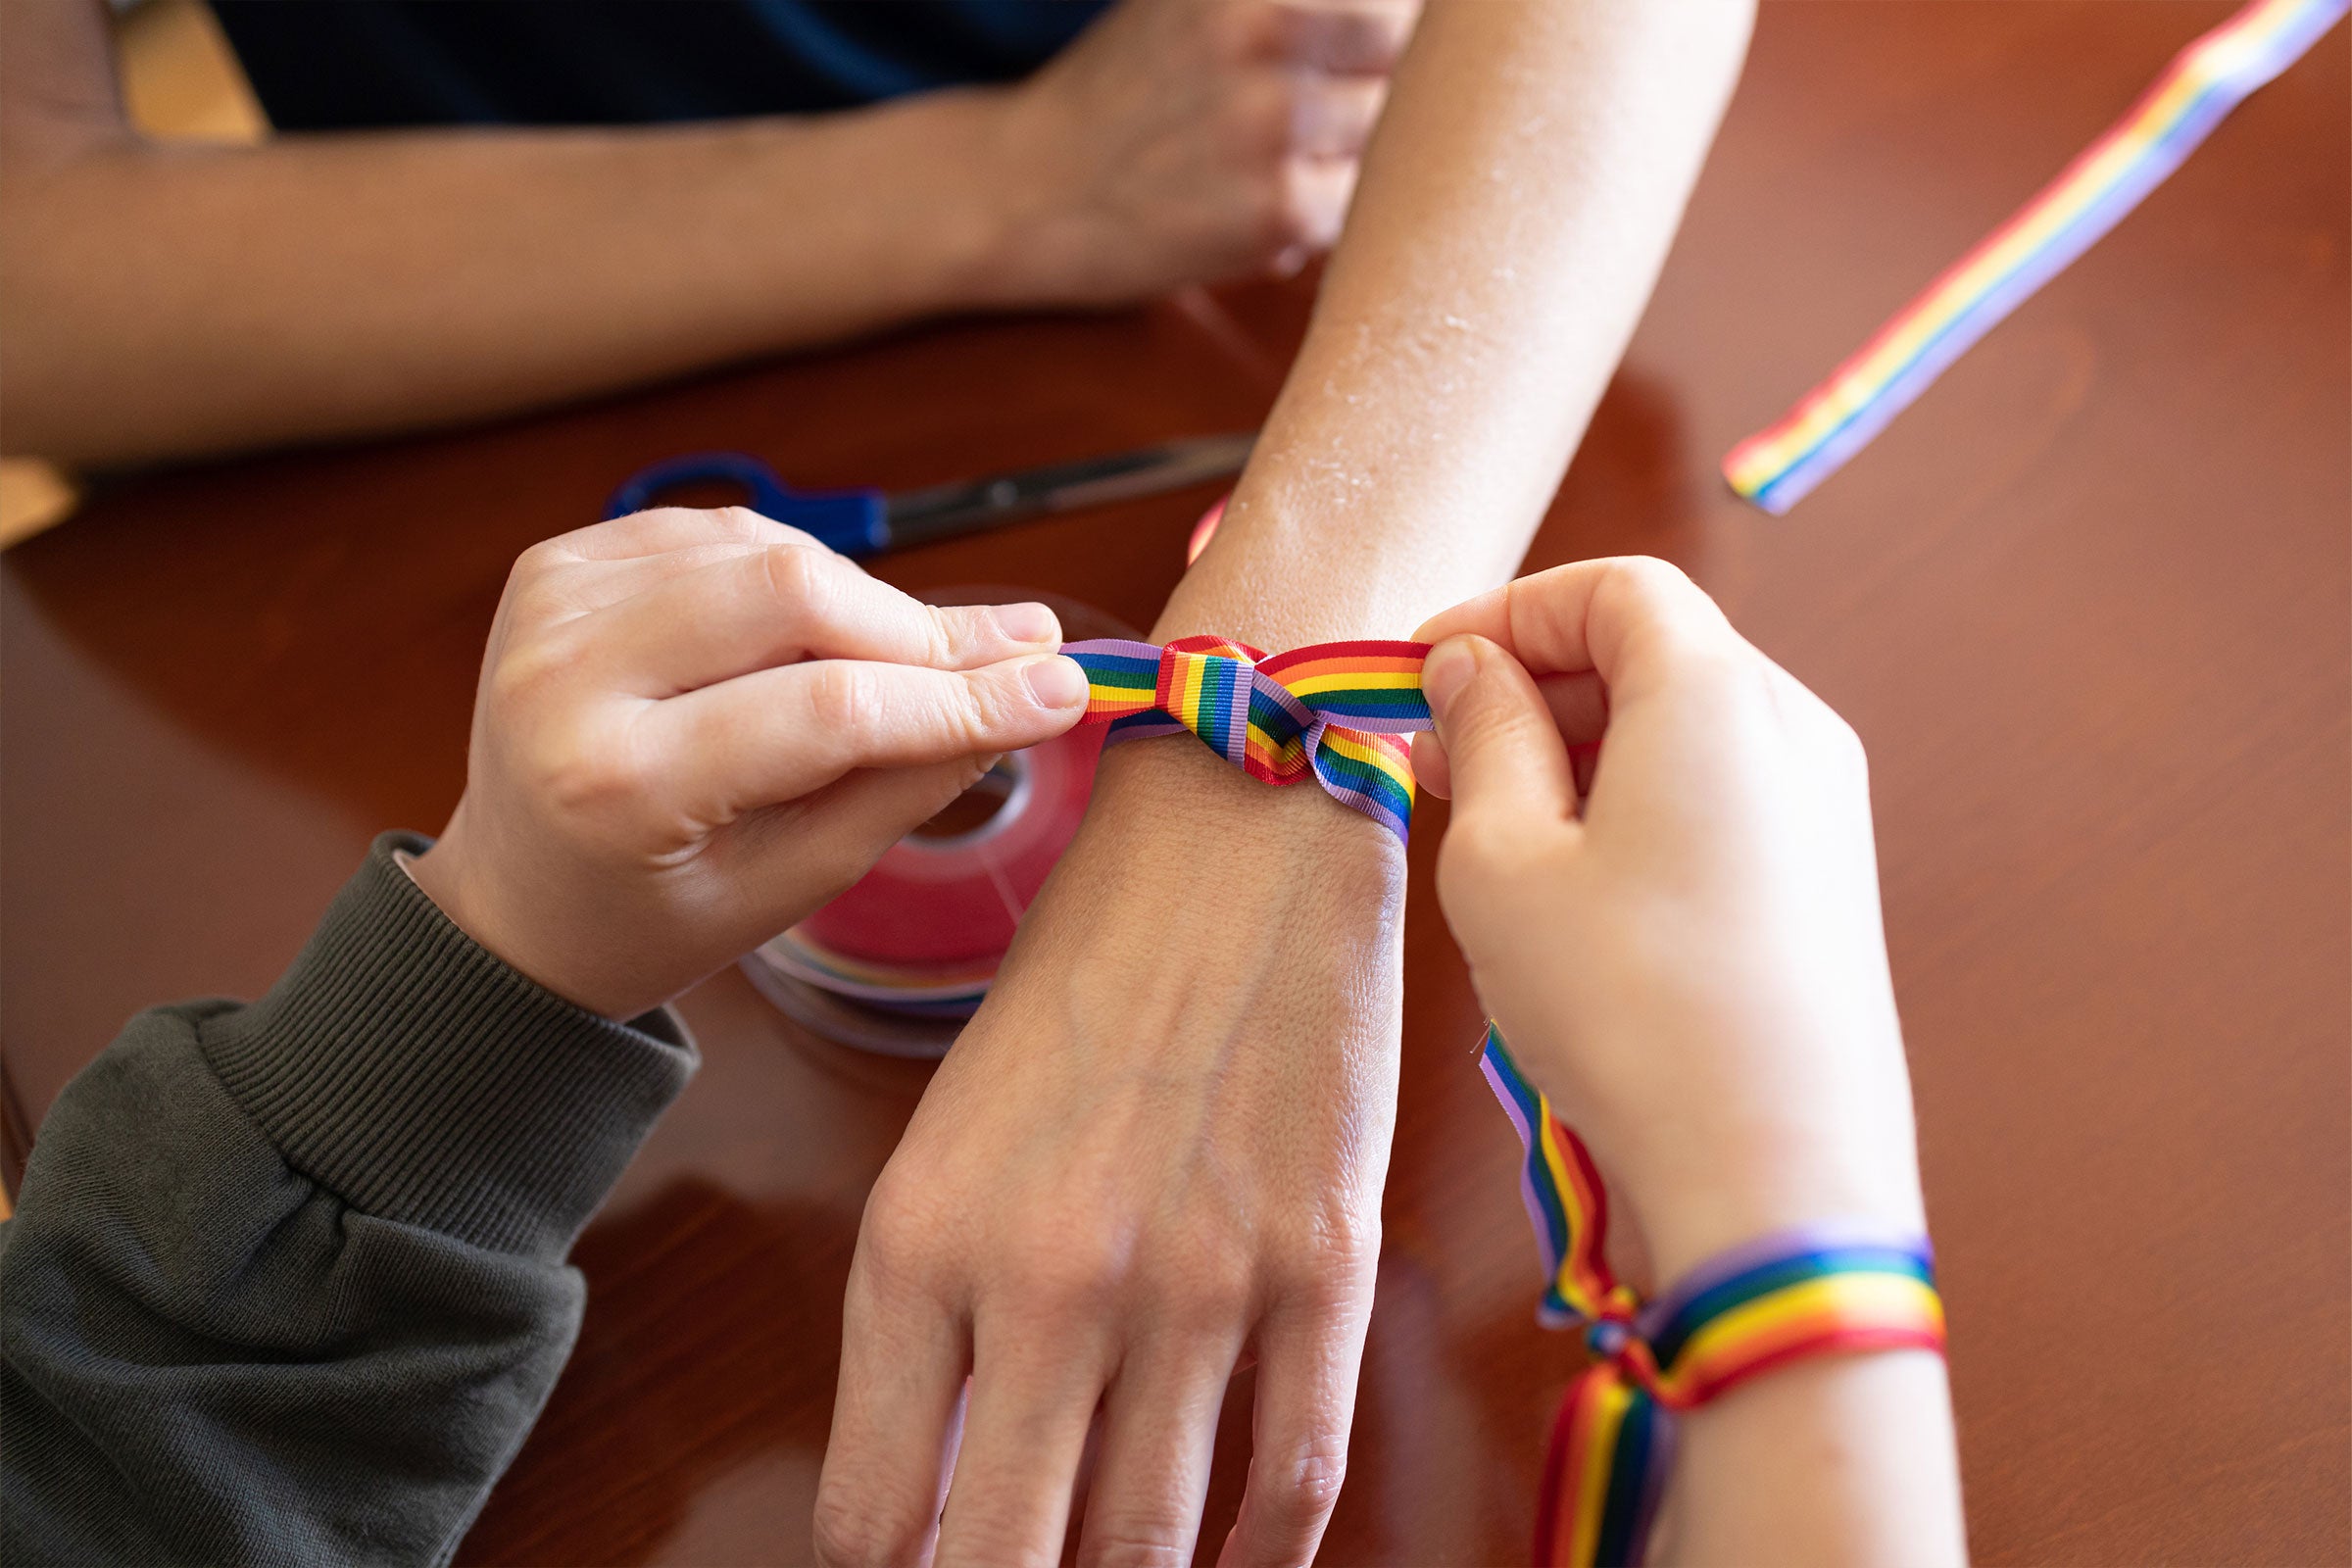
x=286 y=1283
x=162 y=301
x=1162 y=1141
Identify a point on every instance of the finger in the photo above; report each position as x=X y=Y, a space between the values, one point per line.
x=1580 y=708
x=780 y=604
x=1332 y=116
x=662 y=528
x=1031 y=1404
x=1159 y=1434
x=1298 y=1438
x=1505 y=757
x=784 y=870
x=774 y=735
x=1343 y=36
x=894 y=1423
x=1316 y=196
x=1629 y=617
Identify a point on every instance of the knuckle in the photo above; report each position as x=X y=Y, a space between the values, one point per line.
x=986 y=1533
x=537 y=561
x=1305 y=1483
x=1647 y=576
x=794 y=577
x=583 y=771
x=947 y=633
x=837 y=696
x=740 y=523
x=1063 y=1277
x=526 y=669
x=1257 y=121
x=1326 y=1263
x=849 y=1533
x=1161 y=1540
x=983 y=706
x=900 y=1236
x=1235 y=33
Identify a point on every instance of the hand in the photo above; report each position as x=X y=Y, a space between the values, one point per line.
x=695 y=727
x=1179 y=141
x=1692 y=964
x=1159 y=1148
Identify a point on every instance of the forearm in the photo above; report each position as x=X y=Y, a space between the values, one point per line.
x=1515 y=207
x=163 y=301
x=286 y=1282
x=1839 y=1459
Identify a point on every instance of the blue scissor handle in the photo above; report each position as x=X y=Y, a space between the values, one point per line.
x=851 y=522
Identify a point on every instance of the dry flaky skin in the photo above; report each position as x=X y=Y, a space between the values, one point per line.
x=1162 y=1141
x=162 y=301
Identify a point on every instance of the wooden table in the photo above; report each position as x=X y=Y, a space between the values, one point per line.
x=2087 y=603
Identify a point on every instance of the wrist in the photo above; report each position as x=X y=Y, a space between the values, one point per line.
x=445 y=874
x=1176 y=778
x=1704 y=1214
x=1014 y=195
x=948 y=199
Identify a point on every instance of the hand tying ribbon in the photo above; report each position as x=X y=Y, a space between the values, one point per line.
x=1338 y=713
x=1821 y=1290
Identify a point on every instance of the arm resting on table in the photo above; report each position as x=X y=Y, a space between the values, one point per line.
x=286 y=1281
x=1516 y=204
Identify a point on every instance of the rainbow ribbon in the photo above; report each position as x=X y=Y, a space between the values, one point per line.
x=1776 y=466
x=1338 y=713
x=1756 y=1308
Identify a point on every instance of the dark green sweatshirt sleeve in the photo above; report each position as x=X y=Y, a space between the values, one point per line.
x=286 y=1282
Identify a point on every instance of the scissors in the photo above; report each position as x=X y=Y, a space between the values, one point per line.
x=866 y=522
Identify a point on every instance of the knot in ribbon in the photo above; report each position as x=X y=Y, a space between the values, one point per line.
x=1338 y=713
x=1823 y=1289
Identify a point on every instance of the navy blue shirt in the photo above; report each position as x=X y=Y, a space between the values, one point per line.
x=345 y=65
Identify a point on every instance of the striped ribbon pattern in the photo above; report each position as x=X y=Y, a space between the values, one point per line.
x=1798 y=1294
x=1341 y=713
x=1776 y=466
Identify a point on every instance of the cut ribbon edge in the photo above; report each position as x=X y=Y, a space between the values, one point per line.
x=1780 y=464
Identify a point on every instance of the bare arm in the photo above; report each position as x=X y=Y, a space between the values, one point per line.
x=1170 y=1122
x=159 y=301
x=1516 y=205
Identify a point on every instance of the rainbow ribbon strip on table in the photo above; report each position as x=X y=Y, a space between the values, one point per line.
x=1777 y=467
x=1341 y=714
x=1747 y=1310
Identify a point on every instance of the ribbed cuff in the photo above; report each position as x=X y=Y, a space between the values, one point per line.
x=423 y=1081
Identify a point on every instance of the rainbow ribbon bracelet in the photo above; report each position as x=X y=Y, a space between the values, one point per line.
x=1798 y=1294
x=1776 y=466
x=1341 y=714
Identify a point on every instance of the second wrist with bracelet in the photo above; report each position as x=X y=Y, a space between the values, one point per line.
x=1341 y=713
x=1826 y=1288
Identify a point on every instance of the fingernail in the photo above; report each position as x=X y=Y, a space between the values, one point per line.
x=1056 y=682
x=1028 y=623
x=1448 y=669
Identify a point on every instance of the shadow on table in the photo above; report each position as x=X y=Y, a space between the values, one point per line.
x=704 y=1375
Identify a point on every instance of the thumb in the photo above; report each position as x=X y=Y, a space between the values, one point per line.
x=1505 y=756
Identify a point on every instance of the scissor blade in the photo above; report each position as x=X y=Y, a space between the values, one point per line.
x=918 y=516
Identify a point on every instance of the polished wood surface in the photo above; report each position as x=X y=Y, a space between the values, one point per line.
x=2087 y=603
